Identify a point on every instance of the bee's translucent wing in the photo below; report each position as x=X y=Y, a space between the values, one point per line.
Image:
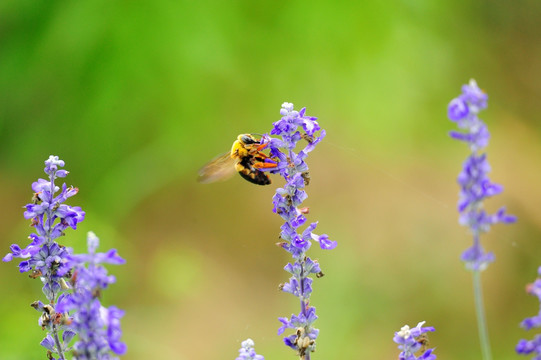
x=220 y=168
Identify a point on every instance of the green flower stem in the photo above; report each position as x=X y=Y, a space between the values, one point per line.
x=480 y=312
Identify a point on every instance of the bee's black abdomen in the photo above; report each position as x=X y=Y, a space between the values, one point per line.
x=255 y=176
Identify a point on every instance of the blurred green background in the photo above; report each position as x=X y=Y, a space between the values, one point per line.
x=137 y=96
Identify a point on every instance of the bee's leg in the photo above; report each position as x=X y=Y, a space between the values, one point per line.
x=265 y=165
x=260 y=155
x=261 y=147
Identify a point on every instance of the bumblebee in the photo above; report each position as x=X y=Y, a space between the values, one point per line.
x=245 y=157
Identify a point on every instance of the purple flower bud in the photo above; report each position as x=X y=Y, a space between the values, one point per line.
x=292 y=287
x=473 y=95
x=295 y=269
x=458 y=109
x=291 y=341
x=62 y=173
x=67 y=336
x=247 y=352
x=324 y=242
x=48 y=343
x=311 y=266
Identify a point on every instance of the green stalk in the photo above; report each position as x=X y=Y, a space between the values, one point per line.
x=480 y=312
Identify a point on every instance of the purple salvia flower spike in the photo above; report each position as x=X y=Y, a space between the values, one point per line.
x=98 y=327
x=293 y=127
x=67 y=315
x=43 y=256
x=475 y=186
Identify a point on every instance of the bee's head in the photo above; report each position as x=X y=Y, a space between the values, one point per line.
x=247 y=139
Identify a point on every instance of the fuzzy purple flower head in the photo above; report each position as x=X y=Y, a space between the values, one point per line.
x=475 y=186
x=412 y=341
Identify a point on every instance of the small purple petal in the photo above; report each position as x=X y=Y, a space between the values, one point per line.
x=48 y=343
x=458 y=109
x=285 y=325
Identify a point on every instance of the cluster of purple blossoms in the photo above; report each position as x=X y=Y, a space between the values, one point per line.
x=49 y=218
x=247 y=351
x=44 y=256
x=55 y=265
x=292 y=167
x=412 y=341
x=97 y=327
x=475 y=186
x=526 y=347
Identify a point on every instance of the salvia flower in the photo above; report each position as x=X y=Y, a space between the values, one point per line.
x=527 y=347
x=413 y=341
x=79 y=313
x=247 y=351
x=293 y=127
x=97 y=327
x=49 y=217
x=43 y=256
x=475 y=186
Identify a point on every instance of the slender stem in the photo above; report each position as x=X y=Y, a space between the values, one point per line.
x=480 y=312
x=49 y=211
x=301 y=285
x=54 y=329
x=49 y=241
x=60 y=351
x=304 y=305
